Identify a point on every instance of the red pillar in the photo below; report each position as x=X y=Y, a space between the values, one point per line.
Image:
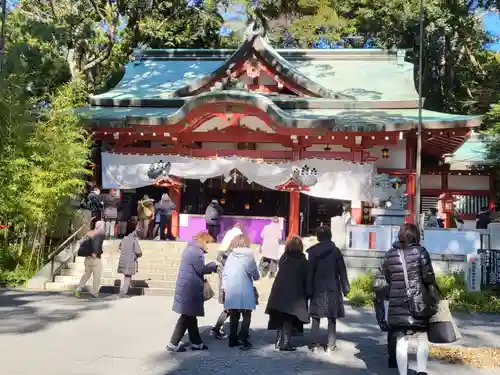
x=175 y=195
x=294 y=215
x=411 y=156
x=410 y=192
x=491 y=202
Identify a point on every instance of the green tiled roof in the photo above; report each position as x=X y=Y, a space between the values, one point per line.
x=365 y=75
x=153 y=79
x=366 y=80
x=341 y=120
x=473 y=152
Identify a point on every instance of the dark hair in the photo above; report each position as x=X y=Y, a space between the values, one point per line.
x=408 y=235
x=294 y=245
x=323 y=233
x=484 y=208
x=433 y=211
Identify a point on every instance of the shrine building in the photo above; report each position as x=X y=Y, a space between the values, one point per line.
x=240 y=125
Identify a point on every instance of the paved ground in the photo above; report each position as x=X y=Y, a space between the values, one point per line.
x=56 y=334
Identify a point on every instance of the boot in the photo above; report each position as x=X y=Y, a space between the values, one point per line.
x=391 y=363
x=279 y=340
x=287 y=339
x=332 y=336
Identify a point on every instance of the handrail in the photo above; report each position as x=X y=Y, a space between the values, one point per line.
x=62 y=246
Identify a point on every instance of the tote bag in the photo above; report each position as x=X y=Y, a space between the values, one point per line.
x=442 y=327
x=208 y=291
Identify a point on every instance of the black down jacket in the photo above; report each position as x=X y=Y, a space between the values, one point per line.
x=421 y=280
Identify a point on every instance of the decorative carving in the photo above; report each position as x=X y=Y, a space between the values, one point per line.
x=388 y=191
x=302 y=179
x=159 y=169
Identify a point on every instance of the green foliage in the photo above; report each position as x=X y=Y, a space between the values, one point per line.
x=454 y=289
x=44 y=153
x=452 y=286
x=361 y=293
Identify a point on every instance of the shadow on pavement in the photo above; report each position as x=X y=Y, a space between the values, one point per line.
x=24 y=312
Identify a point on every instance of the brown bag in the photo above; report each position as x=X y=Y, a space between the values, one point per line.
x=208 y=292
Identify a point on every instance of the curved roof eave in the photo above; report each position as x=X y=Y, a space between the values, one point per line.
x=255 y=44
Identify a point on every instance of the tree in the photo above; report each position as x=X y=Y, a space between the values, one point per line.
x=91 y=40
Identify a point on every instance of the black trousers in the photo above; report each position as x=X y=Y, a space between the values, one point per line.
x=214 y=231
x=234 y=320
x=189 y=323
x=392 y=337
x=166 y=223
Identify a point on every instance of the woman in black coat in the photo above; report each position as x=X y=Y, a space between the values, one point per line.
x=287 y=304
x=420 y=285
x=327 y=285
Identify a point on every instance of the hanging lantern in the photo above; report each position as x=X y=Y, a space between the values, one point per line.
x=222 y=201
x=385 y=153
x=224 y=191
x=260 y=200
x=247 y=206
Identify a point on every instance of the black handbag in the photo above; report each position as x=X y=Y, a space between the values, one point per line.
x=85 y=249
x=422 y=306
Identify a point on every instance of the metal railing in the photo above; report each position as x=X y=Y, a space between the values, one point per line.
x=71 y=241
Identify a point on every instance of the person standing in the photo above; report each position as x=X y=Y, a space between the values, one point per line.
x=110 y=212
x=238 y=275
x=93 y=260
x=236 y=230
x=408 y=271
x=165 y=208
x=145 y=213
x=94 y=203
x=188 y=299
x=130 y=251
x=270 y=249
x=287 y=304
x=212 y=218
x=123 y=217
x=483 y=218
x=381 y=304
x=327 y=285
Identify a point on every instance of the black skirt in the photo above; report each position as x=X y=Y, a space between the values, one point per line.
x=326 y=305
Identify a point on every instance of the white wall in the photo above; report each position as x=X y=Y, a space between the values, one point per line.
x=431 y=181
x=397 y=155
x=457 y=182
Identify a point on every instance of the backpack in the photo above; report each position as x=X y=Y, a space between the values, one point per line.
x=85 y=249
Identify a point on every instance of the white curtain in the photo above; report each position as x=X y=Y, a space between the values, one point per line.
x=336 y=179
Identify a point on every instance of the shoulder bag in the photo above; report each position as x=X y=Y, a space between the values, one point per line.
x=420 y=306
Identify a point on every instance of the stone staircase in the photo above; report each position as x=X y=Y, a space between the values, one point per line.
x=157 y=274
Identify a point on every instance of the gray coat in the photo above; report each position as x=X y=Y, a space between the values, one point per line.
x=111 y=203
x=130 y=251
x=188 y=298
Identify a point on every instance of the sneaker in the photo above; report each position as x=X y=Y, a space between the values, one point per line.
x=233 y=344
x=316 y=349
x=78 y=293
x=246 y=344
x=331 y=349
x=218 y=334
x=95 y=296
x=176 y=349
x=201 y=346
